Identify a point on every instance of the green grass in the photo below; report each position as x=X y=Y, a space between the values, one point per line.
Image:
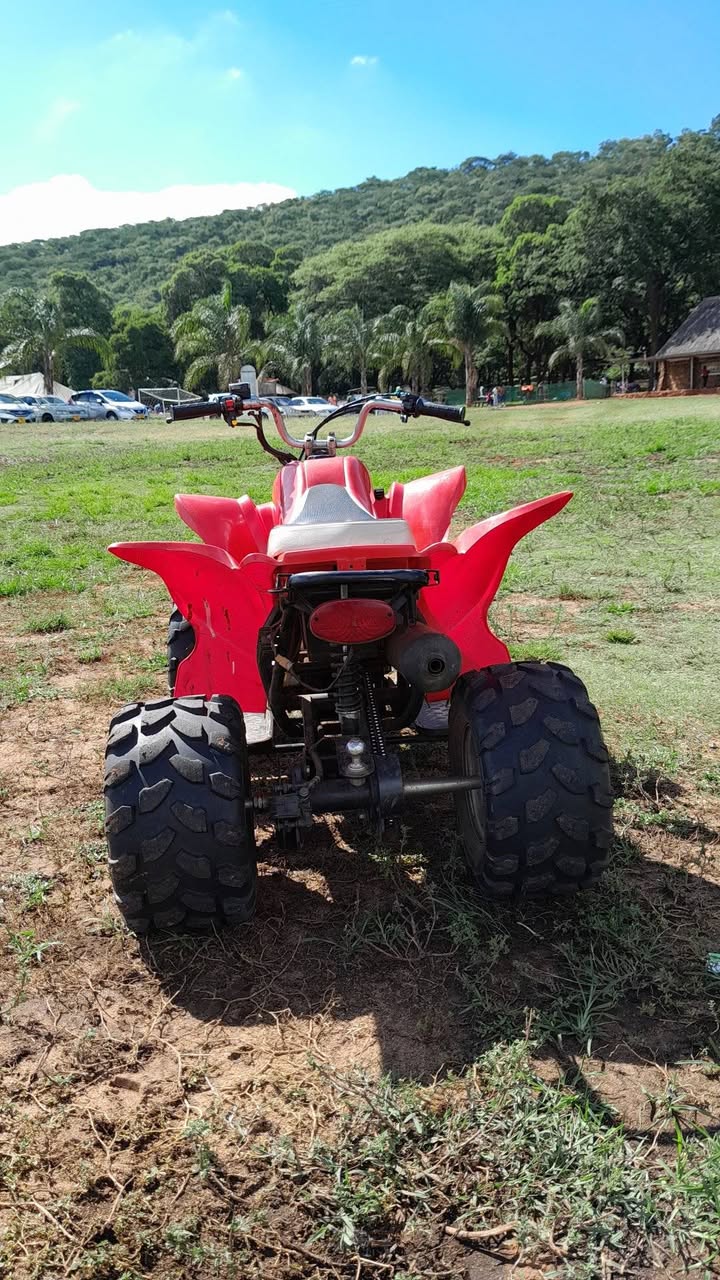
x=500 y=1146
x=639 y=536
x=543 y=1001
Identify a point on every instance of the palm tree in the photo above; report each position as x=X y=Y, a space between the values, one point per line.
x=403 y=342
x=581 y=336
x=215 y=337
x=295 y=343
x=353 y=340
x=38 y=332
x=462 y=321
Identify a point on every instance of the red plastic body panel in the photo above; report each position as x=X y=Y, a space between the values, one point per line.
x=235 y=524
x=471 y=570
x=223 y=586
x=226 y=603
x=428 y=504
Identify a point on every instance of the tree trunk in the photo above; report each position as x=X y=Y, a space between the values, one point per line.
x=307 y=380
x=579 y=379
x=49 y=372
x=471 y=377
x=363 y=379
x=654 y=298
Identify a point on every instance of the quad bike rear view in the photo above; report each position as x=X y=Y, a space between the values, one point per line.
x=338 y=624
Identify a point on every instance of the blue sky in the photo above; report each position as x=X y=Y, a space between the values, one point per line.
x=309 y=94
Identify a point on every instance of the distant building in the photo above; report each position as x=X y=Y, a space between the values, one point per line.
x=690 y=359
x=274 y=387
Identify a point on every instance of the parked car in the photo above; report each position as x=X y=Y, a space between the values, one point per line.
x=310 y=406
x=110 y=404
x=13 y=409
x=284 y=404
x=53 y=409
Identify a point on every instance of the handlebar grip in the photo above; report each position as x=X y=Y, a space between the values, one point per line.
x=196 y=409
x=448 y=412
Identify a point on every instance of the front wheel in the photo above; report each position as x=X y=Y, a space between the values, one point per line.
x=47 y=417
x=542 y=821
x=111 y=417
x=178 y=814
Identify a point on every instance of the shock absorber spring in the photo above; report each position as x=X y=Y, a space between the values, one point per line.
x=377 y=741
x=348 y=699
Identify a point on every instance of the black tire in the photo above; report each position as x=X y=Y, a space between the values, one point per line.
x=111 y=417
x=47 y=417
x=180 y=644
x=542 y=824
x=180 y=835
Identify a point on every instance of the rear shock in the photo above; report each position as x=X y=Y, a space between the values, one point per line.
x=348 y=698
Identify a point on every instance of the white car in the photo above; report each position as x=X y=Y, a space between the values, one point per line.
x=14 y=410
x=53 y=409
x=310 y=406
x=110 y=404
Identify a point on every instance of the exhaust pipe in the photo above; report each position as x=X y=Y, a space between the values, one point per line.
x=427 y=659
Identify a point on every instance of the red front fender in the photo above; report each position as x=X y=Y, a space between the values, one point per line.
x=226 y=603
x=458 y=605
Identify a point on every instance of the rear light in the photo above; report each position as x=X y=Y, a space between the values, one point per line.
x=352 y=621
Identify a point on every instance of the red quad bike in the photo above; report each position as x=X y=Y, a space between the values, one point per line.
x=340 y=623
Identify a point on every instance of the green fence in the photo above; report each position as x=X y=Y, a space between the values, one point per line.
x=541 y=392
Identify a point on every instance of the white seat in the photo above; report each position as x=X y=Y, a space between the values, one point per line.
x=345 y=533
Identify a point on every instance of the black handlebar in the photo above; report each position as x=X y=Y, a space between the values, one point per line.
x=231 y=405
x=205 y=408
x=197 y=409
x=416 y=407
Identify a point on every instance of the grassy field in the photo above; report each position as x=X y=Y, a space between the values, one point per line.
x=381 y=1076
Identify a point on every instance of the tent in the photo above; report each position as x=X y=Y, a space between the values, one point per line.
x=31 y=384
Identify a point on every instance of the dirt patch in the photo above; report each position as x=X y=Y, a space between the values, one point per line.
x=140 y=1080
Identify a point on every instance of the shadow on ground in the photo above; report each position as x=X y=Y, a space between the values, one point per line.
x=611 y=985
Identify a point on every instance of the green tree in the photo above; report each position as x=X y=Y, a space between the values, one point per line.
x=405 y=343
x=140 y=346
x=403 y=267
x=463 y=320
x=581 y=336
x=213 y=339
x=534 y=213
x=353 y=341
x=295 y=345
x=198 y=275
x=529 y=280
x=82 y=304
x=38 y=333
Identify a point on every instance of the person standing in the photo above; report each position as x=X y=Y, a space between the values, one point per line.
x=704 y=374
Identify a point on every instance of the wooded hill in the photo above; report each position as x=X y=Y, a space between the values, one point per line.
x=131 y=263
x=512 y=267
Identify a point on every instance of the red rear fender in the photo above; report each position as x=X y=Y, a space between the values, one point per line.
x=233 y=523
x=458 y=605
x=225 y=602
x=428 y=504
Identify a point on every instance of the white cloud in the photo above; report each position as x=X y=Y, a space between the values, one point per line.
x=49 y=125
x=234 y=73
x=69 y=203
x=363 y=60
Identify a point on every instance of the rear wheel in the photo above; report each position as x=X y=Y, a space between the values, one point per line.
x=542 y=821
x=179 y=828
x=47 y=417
